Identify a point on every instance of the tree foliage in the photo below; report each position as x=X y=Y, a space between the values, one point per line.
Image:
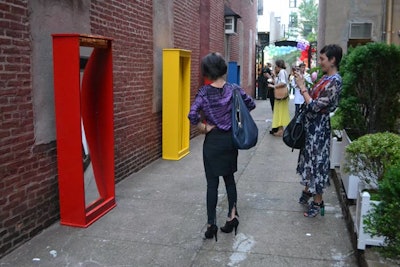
x=289 y=58
x=308 y=21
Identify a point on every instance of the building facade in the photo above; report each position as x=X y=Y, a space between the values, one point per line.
x=353 y=22
x=140 y=31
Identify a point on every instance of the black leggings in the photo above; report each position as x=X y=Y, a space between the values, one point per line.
x=212 y=196
x=272 y=101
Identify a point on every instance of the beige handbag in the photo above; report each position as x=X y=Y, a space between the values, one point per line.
x=281 y=91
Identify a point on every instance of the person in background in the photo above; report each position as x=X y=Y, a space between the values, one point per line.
x=298 y=98
x=211 y=113
x=281 y=117
x=269 y=66
x=323 y=98
x=291 y=79
x=262 y=84
x=270 y=87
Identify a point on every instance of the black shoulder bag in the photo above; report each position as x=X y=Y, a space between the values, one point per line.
x=294 y=133
x=244 y=129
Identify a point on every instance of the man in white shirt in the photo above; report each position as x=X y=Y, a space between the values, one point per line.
x=298 y=98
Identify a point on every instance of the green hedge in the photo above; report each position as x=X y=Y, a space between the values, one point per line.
x=371 y=89
x=384 y=219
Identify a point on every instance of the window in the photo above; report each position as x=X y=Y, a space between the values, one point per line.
x=307 y=28
x=230 y=25
x=260 y=7
x=292 y=3
x=293 y=20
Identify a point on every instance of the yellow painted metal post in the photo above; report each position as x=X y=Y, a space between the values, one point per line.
x=175 y=103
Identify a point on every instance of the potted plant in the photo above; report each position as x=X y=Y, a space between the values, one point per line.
x=369 y=157
x=383 y=219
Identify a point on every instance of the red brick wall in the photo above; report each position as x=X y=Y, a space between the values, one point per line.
x=217 y=27
x=137 y=129
x=249 y=21
x=187 y=34
x=28 y=184
x=239 y=43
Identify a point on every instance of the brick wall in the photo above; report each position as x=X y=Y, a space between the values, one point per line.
x=249 y=32
x=137 y=129
x=187 y=36
x=242 y=44
x=217 y=27
x=28 y=185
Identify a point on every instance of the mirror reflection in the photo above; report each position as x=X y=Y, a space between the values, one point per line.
x=91 y=190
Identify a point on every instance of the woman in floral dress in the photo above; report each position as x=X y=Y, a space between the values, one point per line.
x=313 y=164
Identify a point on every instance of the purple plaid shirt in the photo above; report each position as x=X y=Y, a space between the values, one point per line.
x=215 y=104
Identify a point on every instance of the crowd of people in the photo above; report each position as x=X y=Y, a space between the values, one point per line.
x=211 y=113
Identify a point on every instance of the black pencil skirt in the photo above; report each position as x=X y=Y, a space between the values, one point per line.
x=219 y=155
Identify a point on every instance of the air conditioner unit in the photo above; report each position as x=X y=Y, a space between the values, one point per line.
x=360 y=30
x=230 y=25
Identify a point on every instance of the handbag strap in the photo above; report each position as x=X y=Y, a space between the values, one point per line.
x=235 y=90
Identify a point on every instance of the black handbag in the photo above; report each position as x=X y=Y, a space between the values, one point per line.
x=244 y=129
x=294 y=133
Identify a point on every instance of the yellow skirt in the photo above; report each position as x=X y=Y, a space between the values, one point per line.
x=281 y=116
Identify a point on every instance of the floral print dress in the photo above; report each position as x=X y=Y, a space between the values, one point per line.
x=313 y=164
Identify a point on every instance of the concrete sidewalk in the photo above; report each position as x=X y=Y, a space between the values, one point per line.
x=160 y=218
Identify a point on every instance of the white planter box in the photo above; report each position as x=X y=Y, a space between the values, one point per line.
x=350 y=182
x=337 y=152
x=364 y=205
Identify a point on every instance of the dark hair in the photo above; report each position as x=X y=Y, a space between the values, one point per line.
x=302 y=65
x=333 y=51
x=213 y=66
x=280 y=63
x=267 y=70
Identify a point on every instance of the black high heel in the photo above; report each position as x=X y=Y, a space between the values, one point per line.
x=230 y=225
x=211 y=232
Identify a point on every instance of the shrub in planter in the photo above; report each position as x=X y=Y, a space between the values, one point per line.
x=336 y=125
x=369 y=156
x=370 y=94
x=336 y=122
x=384 y=218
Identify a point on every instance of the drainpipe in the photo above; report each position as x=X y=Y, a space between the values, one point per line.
x=389 y=21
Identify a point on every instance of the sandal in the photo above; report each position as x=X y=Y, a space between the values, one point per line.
x=278 y=133
x=305 y=197
x=314 y=209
